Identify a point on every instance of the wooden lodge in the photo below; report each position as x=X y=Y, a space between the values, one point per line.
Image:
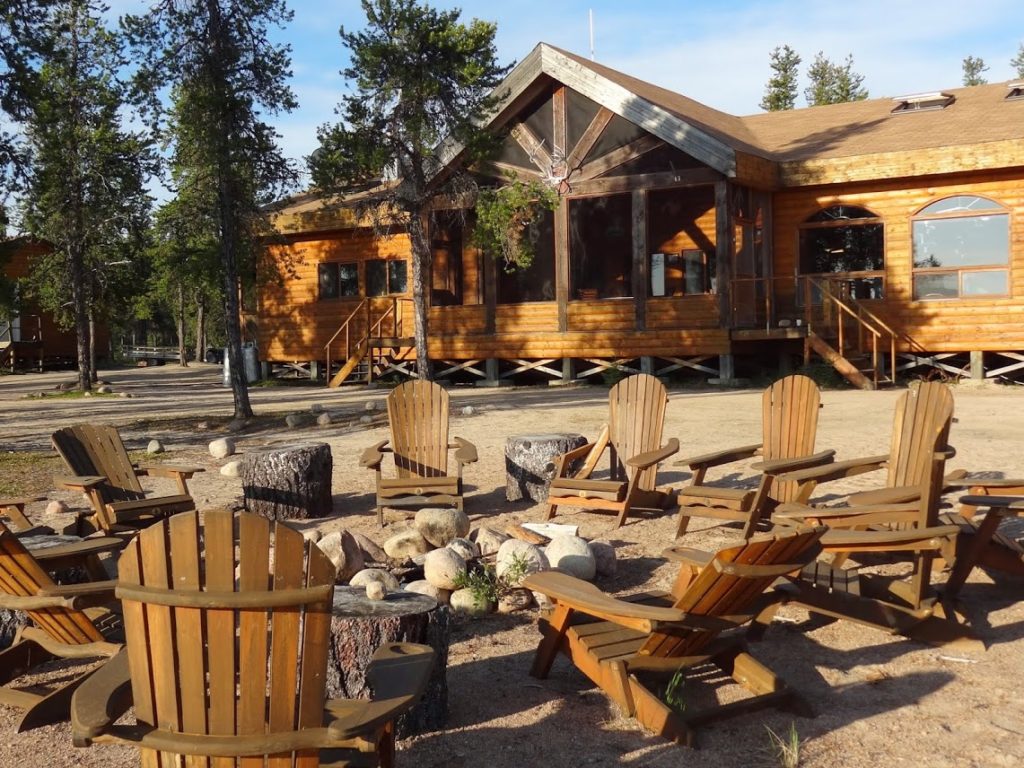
x=879 y=235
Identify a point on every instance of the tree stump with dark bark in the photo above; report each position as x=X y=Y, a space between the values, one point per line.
x=289 y=483
x=359 y=627
x=530 y=463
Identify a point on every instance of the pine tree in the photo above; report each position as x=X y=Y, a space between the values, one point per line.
x=1017 y=62
x=226 y=74
x=86 y=192
x=419 y=76
x=848 y=85
x=833 y=83
x=780 y=92
x=973 y=68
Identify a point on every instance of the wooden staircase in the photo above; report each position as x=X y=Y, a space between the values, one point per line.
x=21 y=345
x=370 y=342
x=849 y=337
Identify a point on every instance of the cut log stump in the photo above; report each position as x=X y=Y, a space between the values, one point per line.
x=289 y=483
x=359 y=626
x=530 y=463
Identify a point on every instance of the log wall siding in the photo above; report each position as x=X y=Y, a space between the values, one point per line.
x=952 y=325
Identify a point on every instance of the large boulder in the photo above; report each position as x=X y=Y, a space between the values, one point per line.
x=379 y=575
x=604 y=558
x=517 y=559
x=464 y=548
x=405 y=545
x=424 y=587
x=222 y=447
x=489 y=540
x=465 y=601
x=372 y=551
x=440 y=526
x=343 y=550
x=571 y=555
x=443 y=567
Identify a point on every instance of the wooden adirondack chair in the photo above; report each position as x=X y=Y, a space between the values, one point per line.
x=627 y=643
x=918 y=412
x=66 y=621
x=789 y=423
x=227 y=633
x=636 y=416
x=418 y=414
x=104 y=473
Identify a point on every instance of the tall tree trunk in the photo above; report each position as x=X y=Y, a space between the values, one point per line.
x=420 y=280
x=94 y=375
x=80 y=308
x=182 y=354
x=80 y=298
x=200 y=326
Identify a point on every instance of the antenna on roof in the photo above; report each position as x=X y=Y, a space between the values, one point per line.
x=591 y=34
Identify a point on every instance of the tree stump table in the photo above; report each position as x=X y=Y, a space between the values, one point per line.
x=530 y=463
x=359 y=626
x=290 y=482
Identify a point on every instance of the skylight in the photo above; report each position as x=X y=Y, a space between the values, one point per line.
x=1015 y=90
x=919 y=102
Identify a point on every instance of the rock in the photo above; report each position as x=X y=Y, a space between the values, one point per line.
x=442 y=568
x=222 y=447
x=375 y=590
x=103 y=390
x=312 y=534
x=604 y=558
x=515 y=600
x=323 y=420
x=543 y=601
x=232 y=468
x=371 y=405
x=125 y=395
x=464 y=548
x=468 y=410
x=344 y=552
x=366 y=419
x=155 y=446
x=424 y=587
x=572 y=555
x=56 y=508
x=293 y=420
x=489 y=540
x=315 y=408
x=514 y=551
x=440 y=526
x=367 y=575
x=87 y=394
x=420 y=559
x=464 y=601
x=371 y=550
x=405 y=545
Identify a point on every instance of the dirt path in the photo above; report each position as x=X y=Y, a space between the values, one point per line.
x=879 y=699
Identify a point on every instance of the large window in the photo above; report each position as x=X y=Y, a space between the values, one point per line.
x=845 y=243
x=338 y=280
x=385 y=277
x=961 y=249
x=601 y=247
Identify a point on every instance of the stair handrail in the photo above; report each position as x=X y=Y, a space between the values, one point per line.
x=348 y=337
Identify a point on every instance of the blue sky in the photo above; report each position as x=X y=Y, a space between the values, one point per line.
x=715 y=52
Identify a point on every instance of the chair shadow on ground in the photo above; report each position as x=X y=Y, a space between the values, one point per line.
x=567 y=707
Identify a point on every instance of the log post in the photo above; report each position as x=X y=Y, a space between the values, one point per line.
x=530 y=463
x=288 y=483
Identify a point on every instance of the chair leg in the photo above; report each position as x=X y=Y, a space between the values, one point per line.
x=551 y=641
x=624 y=514
x=551 y=511
x=684 y=522
x=380 y=516
x=386 y=746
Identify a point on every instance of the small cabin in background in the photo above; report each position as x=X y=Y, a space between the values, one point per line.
x=31 y=338
x=880 y=236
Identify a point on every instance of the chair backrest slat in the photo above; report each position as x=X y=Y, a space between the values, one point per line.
x=90 y=449
x=418 y=413
x=789 y=421
x=921 y=412
x=636 y=418
x=229 y=670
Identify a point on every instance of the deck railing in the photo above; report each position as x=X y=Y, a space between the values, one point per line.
x=369 y=320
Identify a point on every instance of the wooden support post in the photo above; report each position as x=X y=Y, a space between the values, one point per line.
x=568 y=369
x=562 y=263
x=647 y=365
x=314 y=370
x=723 y=254
x=490 y=292
x=492 y=377
x=726 y=370
x=977 y=365
x=640 y=258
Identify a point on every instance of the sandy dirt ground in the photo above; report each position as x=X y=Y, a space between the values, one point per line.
x=879 y=699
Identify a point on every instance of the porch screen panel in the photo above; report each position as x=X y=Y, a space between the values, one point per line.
x=537 y=281
x=601 y=247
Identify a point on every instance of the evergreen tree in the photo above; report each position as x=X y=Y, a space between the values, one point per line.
x=833 y=83
x=226 y=75
x=1017 y=62
x=973 y=68
x=86 y=189
x=780 y=92
x=420 y=76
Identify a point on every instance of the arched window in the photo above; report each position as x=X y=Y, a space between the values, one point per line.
x=845 y=242
x=961 y=249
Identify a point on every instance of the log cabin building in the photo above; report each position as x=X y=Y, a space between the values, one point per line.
x=881 y=236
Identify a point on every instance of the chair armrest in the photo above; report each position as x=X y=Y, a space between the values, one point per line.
x=583 y=596
x=726 y=456
x=71 y=596
x=374 y=455
x=465 y=451
x=861 y=516
x=168 y=470
x=778 y=466
x=83 y=548
x=994 y=501
x=912 y=539
x=697 y=558
x=650 y=458
x=836 y=470
x=82 y=483
x=101 y=699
